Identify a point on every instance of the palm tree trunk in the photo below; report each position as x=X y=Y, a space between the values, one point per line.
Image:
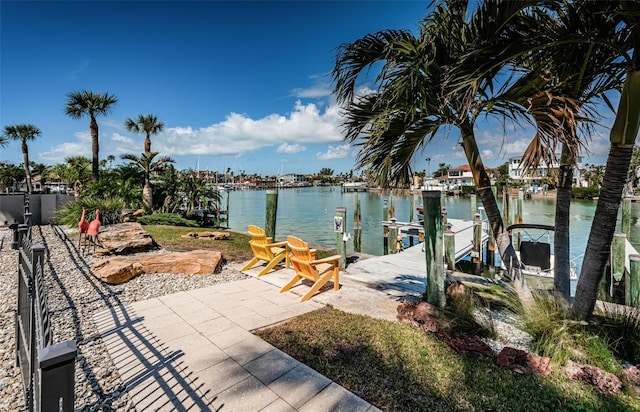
x=27 y=172
x=602 y=229
x=147 y=144
x=623 y=135
x=93 y=127
x=483 y=185
x=561 y=242
x=147 y=195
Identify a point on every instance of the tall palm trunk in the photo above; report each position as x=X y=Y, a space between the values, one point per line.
x=147 y=195
x=27 y=172
x=483 y=185
x=561 y=242
x=93 y=127
x=623 y=135
x=147 y=144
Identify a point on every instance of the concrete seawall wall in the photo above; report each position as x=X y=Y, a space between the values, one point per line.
x=42 y=207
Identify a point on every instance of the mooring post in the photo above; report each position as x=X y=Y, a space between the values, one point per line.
x=450 y=247
x=626 y=217
x=393 y=236
x=444 y=215
x=227 y=216
x=357 y=226
x=476 y=254
x=385 y=229
x=632 y=282
x=618 y=256
x=272 y=212
x=433 y=247
x=340 y=227
x=472 y=197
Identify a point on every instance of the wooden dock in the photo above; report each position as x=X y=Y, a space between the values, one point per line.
x=404 y=273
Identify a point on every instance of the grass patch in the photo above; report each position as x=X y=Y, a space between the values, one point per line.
x=399 y=368
x=236 y=249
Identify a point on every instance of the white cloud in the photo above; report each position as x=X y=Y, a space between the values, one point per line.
x=290 y=148
x=335 y=152
x=80 y=147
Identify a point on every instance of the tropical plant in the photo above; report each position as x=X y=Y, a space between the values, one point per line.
x=148 y=164
x=624 y=19
x=75 y=172
x=41 y=170
x=198 y=193
x=10 y=175
x=418 y=93
x=92 y=104
x=23 y=133
x=147 y=124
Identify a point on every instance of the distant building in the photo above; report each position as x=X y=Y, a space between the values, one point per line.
x=542 y=173
x=292 y=179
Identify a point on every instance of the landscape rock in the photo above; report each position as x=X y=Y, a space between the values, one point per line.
x=524 y=362
x=466 y=344
x=420 y=314
x=208 y=235
x=606 y=382
x=120 y=269
x=124 y=238
x=632 y=375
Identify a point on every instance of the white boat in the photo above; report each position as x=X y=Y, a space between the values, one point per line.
x=536 y=259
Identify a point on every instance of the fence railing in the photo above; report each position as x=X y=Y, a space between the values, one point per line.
x=47 y=369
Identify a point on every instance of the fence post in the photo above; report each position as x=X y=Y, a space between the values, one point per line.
x=433 y=246
x=272 y=212
x=57 y=368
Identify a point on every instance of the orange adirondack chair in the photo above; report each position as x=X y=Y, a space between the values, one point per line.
x=318 y=271
x=266 y=251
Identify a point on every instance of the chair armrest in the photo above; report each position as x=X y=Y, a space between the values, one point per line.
x=329 y=259
x=277 y=244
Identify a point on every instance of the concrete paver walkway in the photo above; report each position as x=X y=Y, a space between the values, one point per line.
x=193 y=351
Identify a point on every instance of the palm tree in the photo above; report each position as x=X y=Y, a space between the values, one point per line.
x=75 y=172
x=148 y=164
x=89 y=103
x=418 y=94
x=149 y=125
x=625 y=17
x=23 y=133
x=3 y=141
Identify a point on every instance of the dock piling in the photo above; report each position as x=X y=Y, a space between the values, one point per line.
x=632 y=282
x=357 y=226
x=340 y=224
x=433 y=247
x=271 y=213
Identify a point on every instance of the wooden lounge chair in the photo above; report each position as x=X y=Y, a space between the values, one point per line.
x=318 y=271
x=266 y=251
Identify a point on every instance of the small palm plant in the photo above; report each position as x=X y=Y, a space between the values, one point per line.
x=23 y=133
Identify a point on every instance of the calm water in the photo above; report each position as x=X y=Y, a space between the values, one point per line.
x=308 y=213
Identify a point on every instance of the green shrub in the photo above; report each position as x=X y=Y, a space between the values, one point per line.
x=167 y=219
x=620 y=327
x=110 y=211
x=468 y=190
x=585 y=192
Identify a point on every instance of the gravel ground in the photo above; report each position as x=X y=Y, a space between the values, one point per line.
x=74 y=296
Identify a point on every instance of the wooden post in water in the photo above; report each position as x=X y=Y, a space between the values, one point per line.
x=385 y=229
x=517 y=219
x=506 y=213
x=474 y=209
x=433 y=247
x=272 y=212
x=228 y=210
x=632 y=282
x=357 y=226
x=476 y=253
x=340 y=227
x=626 y=217
x=392 y=208
x=393 y=237
x=444 y=215
x=412 y=204
x=450 y=247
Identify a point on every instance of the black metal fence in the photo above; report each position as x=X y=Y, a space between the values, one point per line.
x=47 y=369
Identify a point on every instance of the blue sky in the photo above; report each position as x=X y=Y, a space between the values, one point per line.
x=241 y=85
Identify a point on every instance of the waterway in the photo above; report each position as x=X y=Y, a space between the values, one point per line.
x=308 y=214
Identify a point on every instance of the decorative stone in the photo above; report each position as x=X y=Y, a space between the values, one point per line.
x=124 y=238
x=420 y=314
x=465 y=344
x=208 y=235
x=120 y=269
x=521 y=361
x=632 y=375
x=606 y=382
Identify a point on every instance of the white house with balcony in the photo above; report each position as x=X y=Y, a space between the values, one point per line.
x=540 y=174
